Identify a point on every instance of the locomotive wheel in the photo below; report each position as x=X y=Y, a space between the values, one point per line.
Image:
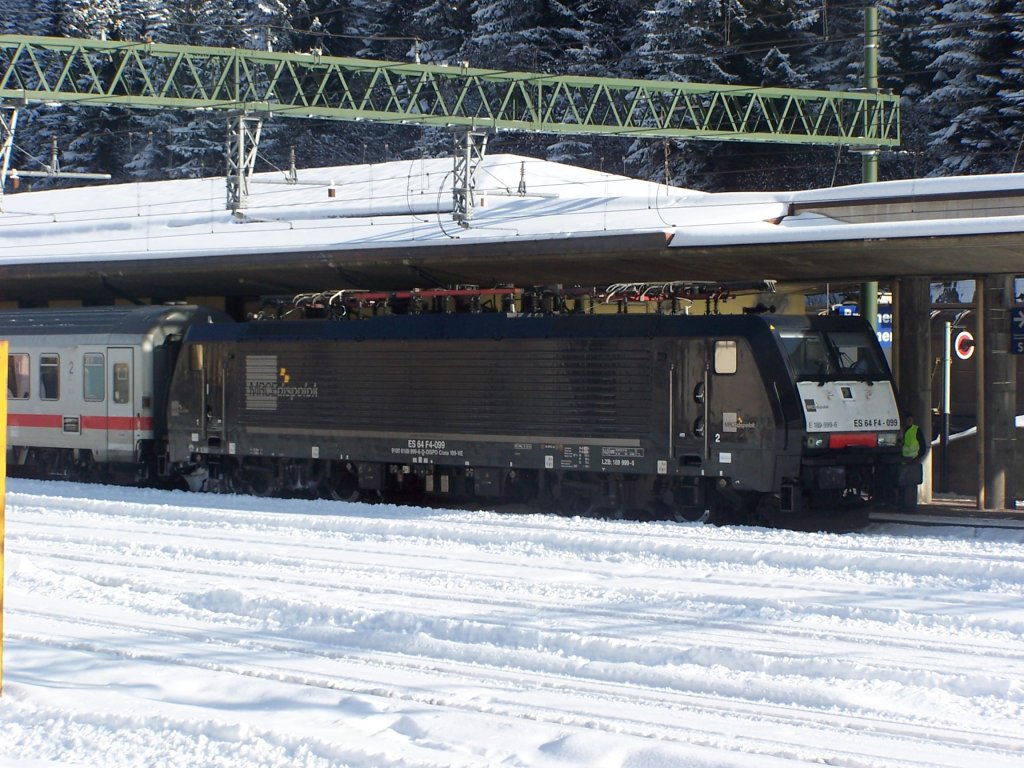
x=256 y=479
x=766 y=510
x=574 y=504
x=340 y=485
x=521 y=487
x=720 y=511
x=578 y=496
x=691 y=515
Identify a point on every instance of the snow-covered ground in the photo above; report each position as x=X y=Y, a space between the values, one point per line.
x=147 y=628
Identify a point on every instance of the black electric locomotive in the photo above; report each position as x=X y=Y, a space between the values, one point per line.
x=722 y=418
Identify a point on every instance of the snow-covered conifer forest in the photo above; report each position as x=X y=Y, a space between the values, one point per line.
x=959 y=66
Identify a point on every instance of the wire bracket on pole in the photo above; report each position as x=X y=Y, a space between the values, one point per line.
x=242 y=145
x=470 y=148
x=8 y=122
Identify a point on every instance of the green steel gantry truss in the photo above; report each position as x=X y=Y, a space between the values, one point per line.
x=310 y=85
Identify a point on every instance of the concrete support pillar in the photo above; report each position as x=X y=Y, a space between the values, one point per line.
x=913 y=364
x=997 y=392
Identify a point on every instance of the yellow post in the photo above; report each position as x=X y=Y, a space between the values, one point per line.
x=3 y=493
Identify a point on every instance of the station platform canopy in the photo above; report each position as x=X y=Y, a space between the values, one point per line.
x=389 y=226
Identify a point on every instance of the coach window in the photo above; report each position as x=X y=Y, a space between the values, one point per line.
x=122 y=383
x=49 y=377
x=93 y=377
x=725 y=357
x=17 y=377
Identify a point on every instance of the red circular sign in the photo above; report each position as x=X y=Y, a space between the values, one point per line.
x=964 y=345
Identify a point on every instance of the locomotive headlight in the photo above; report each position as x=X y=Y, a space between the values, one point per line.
x=814 y=442
x=888 y=439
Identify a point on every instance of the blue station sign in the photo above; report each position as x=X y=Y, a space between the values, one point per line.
x=884 y=326
x=1017 y=331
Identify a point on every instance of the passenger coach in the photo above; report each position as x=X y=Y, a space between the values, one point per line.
x=86 y=388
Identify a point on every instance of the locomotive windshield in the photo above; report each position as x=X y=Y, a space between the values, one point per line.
x=833 y=354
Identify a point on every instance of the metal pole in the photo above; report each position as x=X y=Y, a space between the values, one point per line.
x=869 y=157
x=3 y=493
x=947 y=371
x=7 y=126
x=999 y=393
x=980 y=357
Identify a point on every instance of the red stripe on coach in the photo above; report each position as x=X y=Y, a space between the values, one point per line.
x=109 y=423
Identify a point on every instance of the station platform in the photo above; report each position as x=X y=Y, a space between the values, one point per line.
x=954 y=510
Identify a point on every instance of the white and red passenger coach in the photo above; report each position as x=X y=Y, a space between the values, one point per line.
x=87 y=387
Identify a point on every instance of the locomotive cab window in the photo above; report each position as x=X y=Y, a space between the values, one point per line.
x=122 y=389
x=858 y=354
x=807 y=353
x=17 y=377
x=725 y=357
x=49 y=377
x=835 y=354
x=93 y=378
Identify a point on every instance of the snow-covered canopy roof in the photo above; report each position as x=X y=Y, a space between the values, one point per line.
x=390 y=225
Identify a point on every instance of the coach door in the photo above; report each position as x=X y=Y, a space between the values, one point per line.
x=121 y=422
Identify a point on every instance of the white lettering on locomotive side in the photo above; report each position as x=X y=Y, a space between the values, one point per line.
x=623 y=452
x=435 y=449
x=889 y=423
x=266 y=384
x=427 y=445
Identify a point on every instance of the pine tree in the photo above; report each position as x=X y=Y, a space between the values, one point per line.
x=834 y=57
x=337 y=27
x=389 y=33
x=144 y=147
x=684 y=40
x=19 y=17
x=524 y=35
x=610 y=32
x=37 y=124
x=96 y=134
x=764 y=42
x=904 y=68
x=1012 y=92
x=443 y=27
x=142 y=19
x=973 y=40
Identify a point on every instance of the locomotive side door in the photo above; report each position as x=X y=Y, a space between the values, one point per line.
x=215 y=397
x=121 y=421
x=208 y=369
x=721 y=405
x=708 y=365
x=734 y=416
x=691 y=433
